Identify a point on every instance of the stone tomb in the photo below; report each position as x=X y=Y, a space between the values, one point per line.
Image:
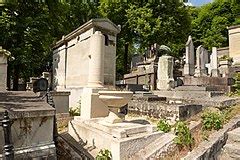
x=165 y=79
x=189 y=65
x=122 y=138
x=4 y=54
x=72 y=64
x=32 y=130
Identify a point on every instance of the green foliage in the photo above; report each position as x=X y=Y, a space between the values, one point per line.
x=163 y=125
x=210 y=22
x=212 y=120
x=104 y=154
x=166 y=19
x=226 y=58
x=74 y=111
x=237 y=83
x=184 y=137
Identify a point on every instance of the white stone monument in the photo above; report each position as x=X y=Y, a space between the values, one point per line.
x=234 y=43
x=189 y=61
x=214 y=63
x=91 y=105
x=165 y=73
x=4 y=54
x=201 y=61
x=72 y=69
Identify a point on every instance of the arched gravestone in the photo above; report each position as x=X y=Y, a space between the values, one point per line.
x=40 y=85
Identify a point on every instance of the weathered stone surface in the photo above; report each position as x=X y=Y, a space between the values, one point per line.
x=155 y=107
x=32 y=130
x=189 y=62
x=61 y=101
x=165 y=73
x=75 y=61
x=201 y=61
x=91 y=105
x=234 y=136
x=211 y=149
x=234 y=40
x=101 y=136
x=3 y=69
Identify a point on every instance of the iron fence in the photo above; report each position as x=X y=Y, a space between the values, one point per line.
x=8 y=149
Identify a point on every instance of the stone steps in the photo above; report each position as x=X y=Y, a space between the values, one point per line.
x=234 y=136
x=79 y=148
x=155 y=148
x=188 y=94
x=232 y=148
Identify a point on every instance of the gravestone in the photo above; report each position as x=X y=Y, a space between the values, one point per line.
x=135 y=60
x=165 y=73
x=3 y=68
x=189 y=62
x=201 y=61
x=214 y=63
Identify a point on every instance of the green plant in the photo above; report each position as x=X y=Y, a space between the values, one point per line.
x=184 y=137
x=74 y=111
x=104 y=154
x=163 y=125
x=212 y=120
x=225 y=58
x=237 y=83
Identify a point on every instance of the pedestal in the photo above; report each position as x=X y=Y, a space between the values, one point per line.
x=215 y=73
x=189 y=69
x=91 y=105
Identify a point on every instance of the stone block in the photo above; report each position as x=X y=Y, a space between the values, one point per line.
x=61 y=101
x=234 y=136
x=104 y=136
x=91 y=105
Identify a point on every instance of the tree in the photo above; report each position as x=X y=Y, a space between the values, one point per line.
x=28 y=29
x=163 y=22
x=209 y=27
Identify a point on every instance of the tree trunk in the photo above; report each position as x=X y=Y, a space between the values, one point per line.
x=15 y=78
x=126 y=58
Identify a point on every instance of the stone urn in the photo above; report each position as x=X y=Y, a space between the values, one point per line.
x=115 y=100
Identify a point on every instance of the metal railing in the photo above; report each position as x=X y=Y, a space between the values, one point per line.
x=8 y=149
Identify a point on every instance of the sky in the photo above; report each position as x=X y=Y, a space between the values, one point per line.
x=199 y=2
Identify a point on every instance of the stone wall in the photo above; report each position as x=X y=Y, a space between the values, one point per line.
x=223 y=52
x=234 y=40
x=157 y=107
x=218 y=83
x=146 y=77
x=32 y=128
x=211 y=148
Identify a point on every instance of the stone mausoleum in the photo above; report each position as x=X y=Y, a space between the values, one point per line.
x=72 y=65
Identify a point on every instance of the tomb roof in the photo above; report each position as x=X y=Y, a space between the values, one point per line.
x=99 y=23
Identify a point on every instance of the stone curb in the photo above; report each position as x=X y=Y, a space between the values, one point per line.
x=209 y=149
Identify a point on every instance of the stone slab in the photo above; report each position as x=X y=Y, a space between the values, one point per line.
x=24 y=104
x=210 y=149
x=121 y=148
x=234 y=136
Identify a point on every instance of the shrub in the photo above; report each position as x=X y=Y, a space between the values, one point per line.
x=212 y=120
x=225 y=58
x=74 y=111
x=104 y=154
x=237 y=83
x=184 y=137
x=163 y=125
